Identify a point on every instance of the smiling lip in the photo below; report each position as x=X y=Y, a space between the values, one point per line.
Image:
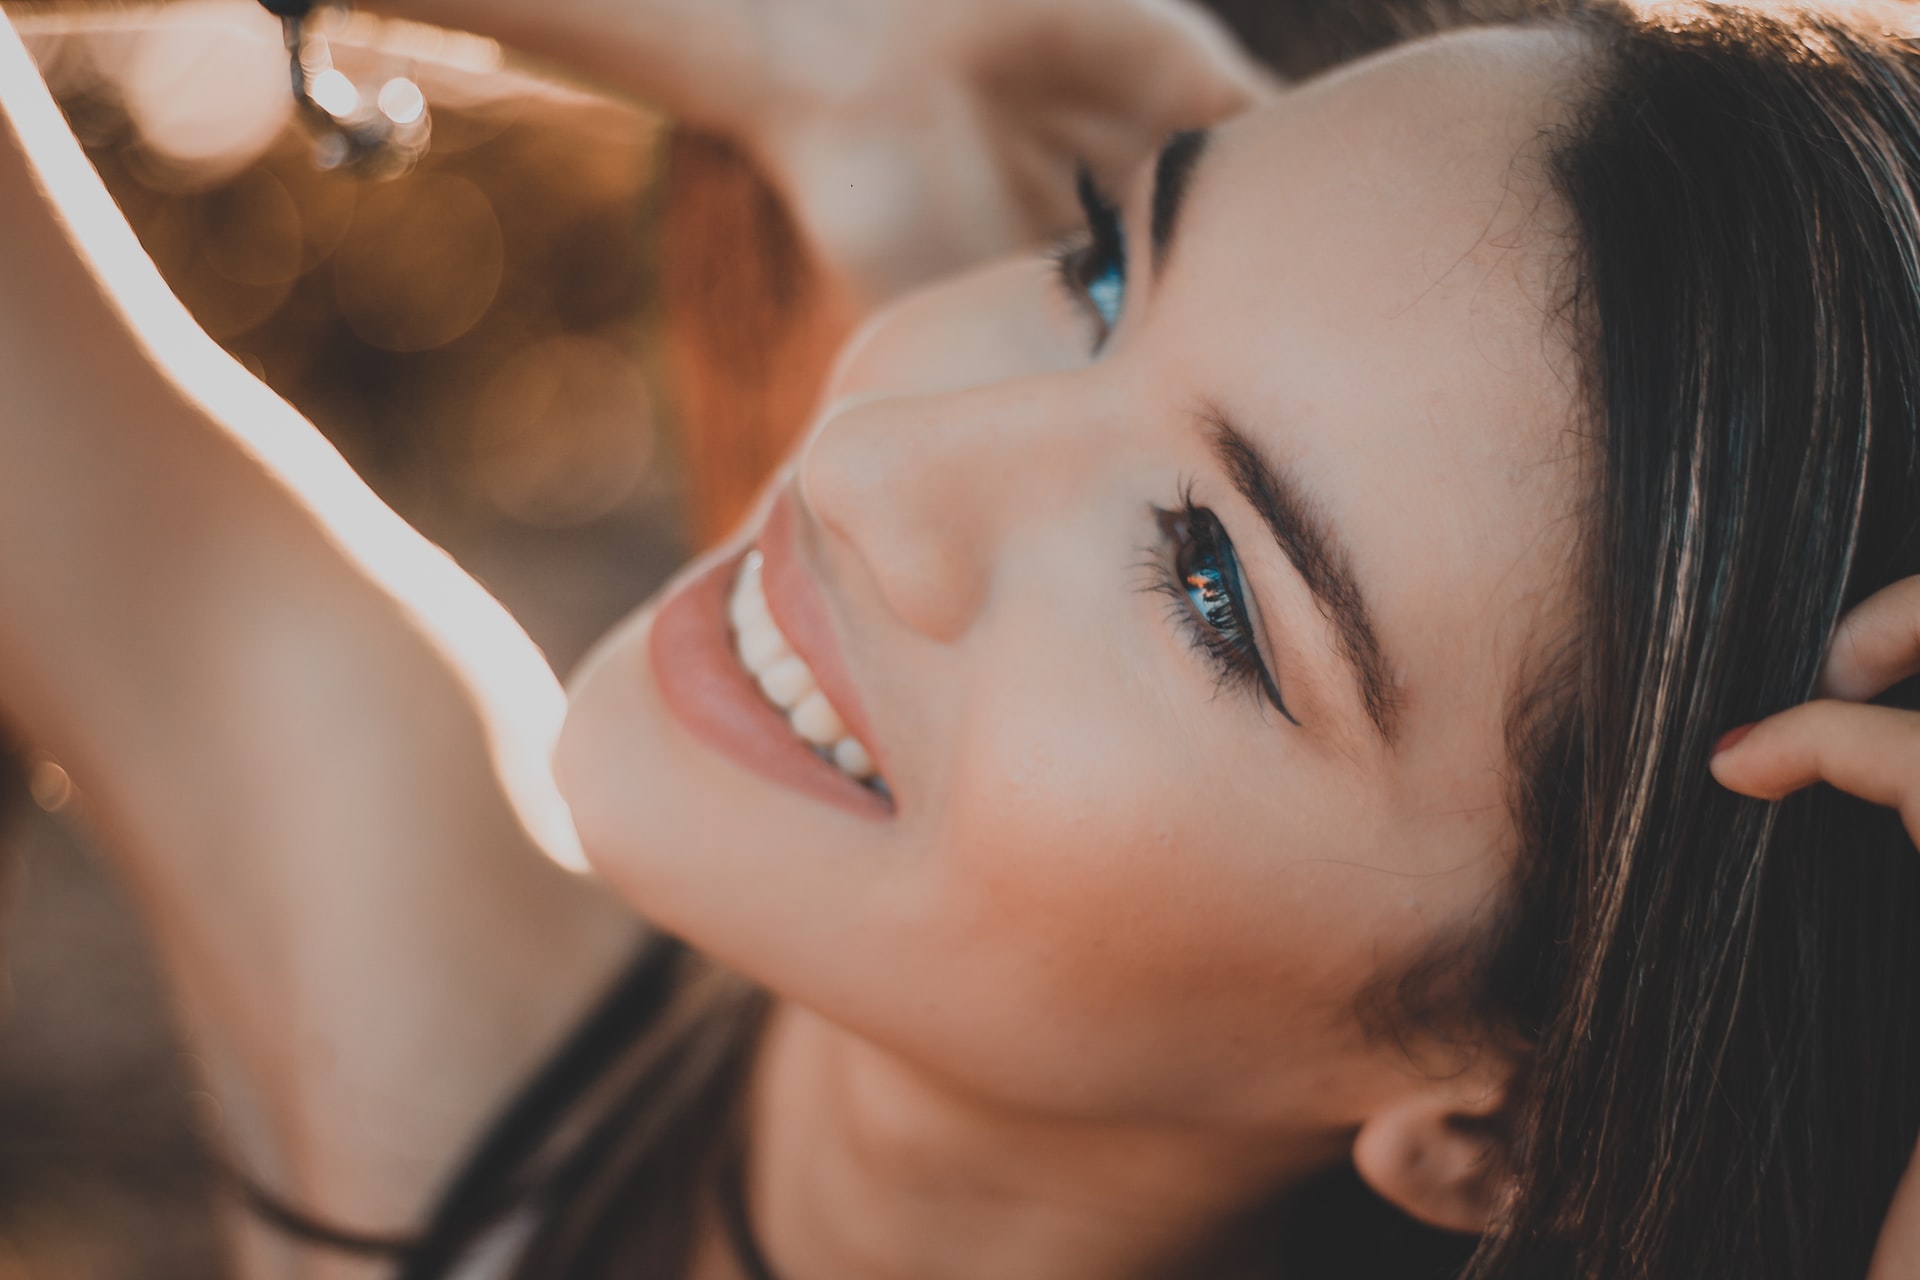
x=705 y=687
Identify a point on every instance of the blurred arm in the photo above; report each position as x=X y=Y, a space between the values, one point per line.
x=314 y=746
x=903 y=139
x=909 y=138
x=703 y=61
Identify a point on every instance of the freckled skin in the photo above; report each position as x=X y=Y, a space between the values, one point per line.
x=1113 y=892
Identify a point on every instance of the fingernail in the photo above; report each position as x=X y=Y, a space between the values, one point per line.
x=1731 y=737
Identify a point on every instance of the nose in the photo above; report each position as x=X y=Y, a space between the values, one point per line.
x=928 y=491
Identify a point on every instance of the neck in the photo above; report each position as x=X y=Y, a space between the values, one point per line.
x=864 y=1167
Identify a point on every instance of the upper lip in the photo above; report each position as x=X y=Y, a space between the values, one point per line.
x=801 y=611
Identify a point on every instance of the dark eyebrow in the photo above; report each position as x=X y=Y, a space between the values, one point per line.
x=1172 y=176
x=1308 y=540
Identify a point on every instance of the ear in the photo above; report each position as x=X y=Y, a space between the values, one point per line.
x=1440 y=1154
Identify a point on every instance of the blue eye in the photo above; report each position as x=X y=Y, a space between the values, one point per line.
x=1092 y=265
x=1108 y=294
x=1202 y=574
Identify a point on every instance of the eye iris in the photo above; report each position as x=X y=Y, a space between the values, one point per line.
x=1204 y=572
x=1107 y=291
x=1099 y=273
x=1207 y=588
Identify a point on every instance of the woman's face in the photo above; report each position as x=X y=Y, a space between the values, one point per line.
x=1061 y=586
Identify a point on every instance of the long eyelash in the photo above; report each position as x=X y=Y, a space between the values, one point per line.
x=1232 y=672
x=1078 y=255
x=1235 y=668
x=1066 y=257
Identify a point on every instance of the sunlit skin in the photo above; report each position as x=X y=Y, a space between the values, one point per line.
x=1110 y=945
x=1088 y=983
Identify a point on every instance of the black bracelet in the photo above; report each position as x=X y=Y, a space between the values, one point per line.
x=298 y=1224
x=287 y=8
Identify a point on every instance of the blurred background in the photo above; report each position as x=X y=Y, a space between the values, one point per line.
x=476 y=336
x=514 y=342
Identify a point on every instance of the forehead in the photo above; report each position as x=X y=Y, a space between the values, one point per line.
x=1366 y=276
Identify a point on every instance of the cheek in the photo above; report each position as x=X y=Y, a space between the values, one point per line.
x=1185 y=930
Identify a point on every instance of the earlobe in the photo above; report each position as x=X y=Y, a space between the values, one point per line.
x=1436 y=1161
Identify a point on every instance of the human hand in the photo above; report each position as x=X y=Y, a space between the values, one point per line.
x=912 y=138
x=1838 y=738
x=1868 y=751
x=909 y=138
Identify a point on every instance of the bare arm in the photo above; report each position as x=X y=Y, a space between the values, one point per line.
x=699 y=59
x=910 y=138
x=314 y=746
x=905 y=138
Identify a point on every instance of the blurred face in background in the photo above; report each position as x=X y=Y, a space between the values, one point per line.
x=1172 y=599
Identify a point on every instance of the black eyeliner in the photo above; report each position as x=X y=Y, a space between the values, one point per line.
x=1080 y=260
x=1237 y=662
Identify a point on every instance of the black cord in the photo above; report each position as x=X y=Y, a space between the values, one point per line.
x=277 y=1213
x=484 y=1187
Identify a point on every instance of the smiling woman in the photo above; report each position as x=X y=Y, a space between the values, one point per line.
x=1198 y=764
x=1115 y=918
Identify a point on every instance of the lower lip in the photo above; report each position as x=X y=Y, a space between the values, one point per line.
x=704 y=686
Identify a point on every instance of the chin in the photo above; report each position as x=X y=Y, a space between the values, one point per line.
x=743 y=867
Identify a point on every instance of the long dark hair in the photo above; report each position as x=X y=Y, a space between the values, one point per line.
x=1723 y=992
x=1719 y=995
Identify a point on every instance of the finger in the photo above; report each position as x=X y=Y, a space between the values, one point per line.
x=1169 y=63
x=1876 y=645
x=1215 y=79
x=1897 y=1256
x=1867 y=751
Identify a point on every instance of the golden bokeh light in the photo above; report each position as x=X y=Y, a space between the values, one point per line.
x=401 y=100
x=332 y=90
x=251 y=230
x=484 y=313
x=208 y=89
x=49 y=784
x=421 y=263
x=561 y=433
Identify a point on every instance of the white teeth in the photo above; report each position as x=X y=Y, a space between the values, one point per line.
x=787 y=681
x=758 y=638
x=816 y=720
x=853 y=758
x=761 y=646
x=748 y=604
